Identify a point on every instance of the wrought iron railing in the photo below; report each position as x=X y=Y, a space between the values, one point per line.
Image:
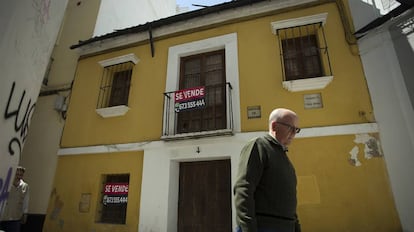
x=216 y=96
x=115 y=85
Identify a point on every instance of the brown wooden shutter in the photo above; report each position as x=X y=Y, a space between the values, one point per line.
x=120 y=88
x=207 y=69
x=301 y=57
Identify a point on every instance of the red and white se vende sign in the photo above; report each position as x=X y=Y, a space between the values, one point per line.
x=116 y=189
x=184 y=95
x=189 y=99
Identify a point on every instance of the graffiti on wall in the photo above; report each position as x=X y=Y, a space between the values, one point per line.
x=19 y=115
x=57 y=207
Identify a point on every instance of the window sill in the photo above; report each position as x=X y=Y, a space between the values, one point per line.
x=307 y=84
x=197 y=135
x=113 y=111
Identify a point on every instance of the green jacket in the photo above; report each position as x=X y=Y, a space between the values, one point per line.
x=265 y=189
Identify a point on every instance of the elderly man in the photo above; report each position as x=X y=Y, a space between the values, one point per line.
x=265 y=189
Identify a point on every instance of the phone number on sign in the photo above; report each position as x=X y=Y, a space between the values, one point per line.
x=190 y=105
x=114 y=199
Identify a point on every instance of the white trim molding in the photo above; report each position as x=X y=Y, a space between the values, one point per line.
x=349 y=129
x=120 y=59
x=228 y=42
x=304 y=133
x=113 y=111
x=318 y=18
x=307 y=84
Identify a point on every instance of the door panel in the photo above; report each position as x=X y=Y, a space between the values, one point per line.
x=204 y=196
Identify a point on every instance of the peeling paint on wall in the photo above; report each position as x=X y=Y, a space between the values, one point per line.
x=57 y=206
x=372 y=148
x=353 y=160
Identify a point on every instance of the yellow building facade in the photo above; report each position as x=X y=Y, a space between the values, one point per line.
x=169 y=159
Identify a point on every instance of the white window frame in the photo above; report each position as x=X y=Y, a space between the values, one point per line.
x=120 y=110
x=314 y=83
x=227 y=42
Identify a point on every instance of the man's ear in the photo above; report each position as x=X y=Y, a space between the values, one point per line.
x=274 y=125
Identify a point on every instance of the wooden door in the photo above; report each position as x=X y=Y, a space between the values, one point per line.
x=205 y=197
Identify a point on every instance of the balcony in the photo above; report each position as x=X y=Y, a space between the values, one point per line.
x=208 y=115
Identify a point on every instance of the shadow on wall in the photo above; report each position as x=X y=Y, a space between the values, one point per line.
x=402 y=34
x=363 y=12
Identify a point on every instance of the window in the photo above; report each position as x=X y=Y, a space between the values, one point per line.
x=301 y=57
x=115 y=85
x=206 y=69
x=120 y=87
x=303 y=52
x=112 y=207
x=185 y=52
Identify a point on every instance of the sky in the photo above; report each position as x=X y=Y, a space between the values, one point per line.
x=188 y=3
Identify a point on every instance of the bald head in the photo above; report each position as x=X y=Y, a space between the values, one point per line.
x=280 y=114
x=283 y=125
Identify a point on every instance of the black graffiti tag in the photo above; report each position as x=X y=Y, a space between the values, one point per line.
x=21 y=122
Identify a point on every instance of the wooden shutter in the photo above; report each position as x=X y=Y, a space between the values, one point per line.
x=301 y=57
x=207 y=69
x=120 y=88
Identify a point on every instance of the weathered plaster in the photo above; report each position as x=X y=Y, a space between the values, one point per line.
x=372 y=148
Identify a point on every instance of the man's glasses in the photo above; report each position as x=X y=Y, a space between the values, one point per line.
x=291 y=128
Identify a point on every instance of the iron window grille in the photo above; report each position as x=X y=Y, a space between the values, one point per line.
x=115 y=85
x=112 y=213
x=304 y=52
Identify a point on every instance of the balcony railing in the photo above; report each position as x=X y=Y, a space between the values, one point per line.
x=213 y=118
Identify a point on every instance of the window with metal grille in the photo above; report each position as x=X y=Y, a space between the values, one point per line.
x=304 y=53
x=206 y=69
x=115 y=85
x=112 y=207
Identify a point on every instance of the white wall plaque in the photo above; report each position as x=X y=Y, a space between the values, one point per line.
x=253 y=112
x=312 y=101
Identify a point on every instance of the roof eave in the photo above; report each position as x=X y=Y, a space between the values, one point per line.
x=168 y=20
x=182 y=23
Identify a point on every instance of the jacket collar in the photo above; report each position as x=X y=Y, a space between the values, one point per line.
x=274 y=140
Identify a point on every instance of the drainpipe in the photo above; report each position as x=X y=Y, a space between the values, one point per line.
x=349 y=35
